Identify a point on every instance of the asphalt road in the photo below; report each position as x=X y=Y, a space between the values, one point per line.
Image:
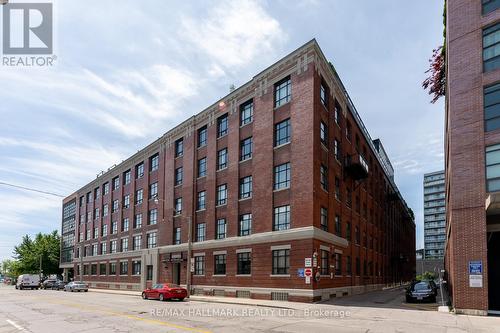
x=56 y=311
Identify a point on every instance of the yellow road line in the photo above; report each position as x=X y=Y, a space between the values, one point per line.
x=124 y=315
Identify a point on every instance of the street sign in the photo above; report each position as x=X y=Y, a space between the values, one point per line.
x=308 y=280
x=307 y=262
x=475 y=281
x=300 y=272
x=308 y=272
x=476 y=267
x=192 y=265
x=315 y=262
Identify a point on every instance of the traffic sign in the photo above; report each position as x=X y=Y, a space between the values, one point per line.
x=308 y=272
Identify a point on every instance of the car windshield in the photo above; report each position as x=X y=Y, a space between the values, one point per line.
x=421 y=286
x=173 y=285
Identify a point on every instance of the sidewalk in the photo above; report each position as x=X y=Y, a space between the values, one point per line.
x=222 y=300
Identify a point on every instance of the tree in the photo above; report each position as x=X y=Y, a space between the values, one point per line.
x=44 y=246
x=10 y=268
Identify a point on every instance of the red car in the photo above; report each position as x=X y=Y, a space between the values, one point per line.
x=164 y=291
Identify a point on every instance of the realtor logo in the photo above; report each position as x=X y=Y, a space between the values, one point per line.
x=27 y=28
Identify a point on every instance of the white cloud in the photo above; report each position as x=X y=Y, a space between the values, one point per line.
x=234 y=32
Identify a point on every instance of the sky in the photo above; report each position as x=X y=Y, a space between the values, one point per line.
x=128 y=71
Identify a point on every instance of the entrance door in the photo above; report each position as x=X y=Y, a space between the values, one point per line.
x=494 y=271
x=176 y=273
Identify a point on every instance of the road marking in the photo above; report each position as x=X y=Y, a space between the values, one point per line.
x=13 y=323
x=124 y=315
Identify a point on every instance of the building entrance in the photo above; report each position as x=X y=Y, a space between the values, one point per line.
x=494 y=271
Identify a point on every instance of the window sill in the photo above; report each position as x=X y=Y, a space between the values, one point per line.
x=200 y=177
x=178 y=215
x=220 y=137
x=243 y=275
x=247 y=198
x=178 y=185
x=178 y=156
x=245 y=160
x=224 y=168
x=199 y=147
x=221 y=205
x=200 y=210
x=198 y=275
x=281 y=189
x=280 y=275
x=219 y=275
x=324 y=146
x=281 y=145
x=281 y=105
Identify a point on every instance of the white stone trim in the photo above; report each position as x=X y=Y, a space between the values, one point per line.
x=324 y=247
x=281 y=247
x=244 y=250
x=338 y=251
x=199 y=254
x=215 y=253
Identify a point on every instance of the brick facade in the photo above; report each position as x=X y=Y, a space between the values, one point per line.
x=386 y=232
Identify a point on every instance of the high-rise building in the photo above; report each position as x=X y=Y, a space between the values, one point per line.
x=275 y=180
x=434 y=215
x=472 y=153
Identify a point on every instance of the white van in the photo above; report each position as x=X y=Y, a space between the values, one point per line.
x=28 y=281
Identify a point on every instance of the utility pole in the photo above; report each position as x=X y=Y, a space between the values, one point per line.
x=188 y=278
x=40 y=267
x=81 y=263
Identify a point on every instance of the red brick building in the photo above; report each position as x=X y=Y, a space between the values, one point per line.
x=472 y=251
x=278 y=175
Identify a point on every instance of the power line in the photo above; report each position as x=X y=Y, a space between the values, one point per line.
x=31 y=189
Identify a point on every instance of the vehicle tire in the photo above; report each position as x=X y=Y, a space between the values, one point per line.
x=144 y=296
x=181 y=299
x=72 y=290
x=433 y=299
x=162 y=297
x=86 y=290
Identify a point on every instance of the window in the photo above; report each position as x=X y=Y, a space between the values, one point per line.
x=246 y=113
x=337 y=113
x=348 y=131
x=349 y=197
x=126 y=177
x=151 y=240
x=112 y=246
x=81 y=200
x=282 y=176
x=202 y=167
x=220 y=264
x=493 y=168
x=104 y=230
x=179 y=147
x=490 y=5
x=123 y=267
x=114 y=227
x=93 y=269
x=153 y=190
x=102 y=269
x=348 y=264
x=105 y=189
x=281 y=218
x=244 y=263
x=348 y=231
x=126 y=201
x=116 y=183
x=222 y=159
x=124 y=244
x=137 y=221
x=338 y=226
x=125 y=224
x=222 y=125
x=201 y=200
x=85 y=269
x=149 y=272
x=200 y=232
x=103 y=248
x=178 y=206
x=202 y=136
x=323 y=94
x=245 y=225
x=136 y=242
x=282 y=133
x=246 y=149
x=220 y=232
x=115 y=206
x=491 y=48
x=139 y=170
x=358 y=267
x=324 y=219
x=97 y=193
x=221 y=194
x=338 y=264
x=94 y=249
x=246 y=187
x=136 y=267
x=357 y=235
x=89 y=197
x=323 y=133
x=199 y=265
x=178 y=176
x=177 y=236
x=281 y=262
x=323 y=177
x=154 y=162
x=96 y=213
x=282 y=92
x=105 y=210
x=153 y=216
x=336 y=150
x=138 y=196
x=112 y=268
x=87 y=236
x=325 y=263
x=337 y=188
x=492 y=107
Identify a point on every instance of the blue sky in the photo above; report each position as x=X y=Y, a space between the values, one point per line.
x=128 y=71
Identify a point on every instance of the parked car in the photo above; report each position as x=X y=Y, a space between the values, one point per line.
x=420 y=291
x=433 y=285
x=59 y=285
x=28 y=281
x=164 y=291
x=76 y=286
x=47 y=284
